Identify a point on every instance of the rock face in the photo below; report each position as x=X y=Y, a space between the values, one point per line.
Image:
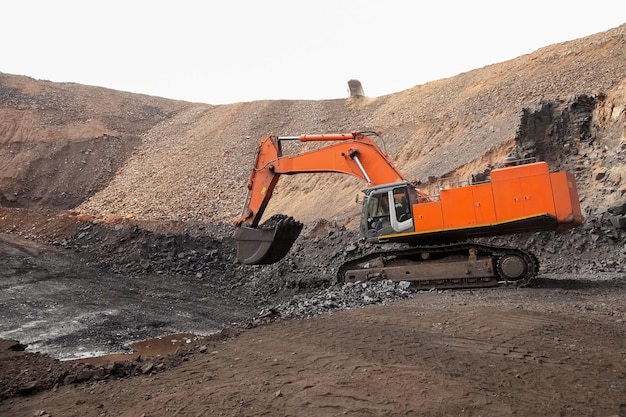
x=585 y=135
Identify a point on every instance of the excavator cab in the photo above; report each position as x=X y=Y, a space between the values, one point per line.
x=387 y=210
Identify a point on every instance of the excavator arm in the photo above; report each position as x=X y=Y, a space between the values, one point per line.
x=350 y=154
x=354 y=154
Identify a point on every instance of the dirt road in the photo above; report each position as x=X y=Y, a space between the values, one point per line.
x=556 y=348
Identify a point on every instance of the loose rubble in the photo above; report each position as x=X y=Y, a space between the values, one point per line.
x=340 y=297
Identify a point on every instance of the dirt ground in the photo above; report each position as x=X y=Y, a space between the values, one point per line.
x=553 y=348
x=556 y=348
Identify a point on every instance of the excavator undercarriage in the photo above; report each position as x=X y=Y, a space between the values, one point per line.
x=460 y=265
x=448 y=266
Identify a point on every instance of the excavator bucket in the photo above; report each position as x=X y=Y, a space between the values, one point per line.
x=268 y=243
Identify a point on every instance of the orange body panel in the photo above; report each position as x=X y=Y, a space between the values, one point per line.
x=508 y=204
x=566 y=199
x=428 y=217
x=515 y=194
x=522 y=191
x=484 y=207
x=520 y=171
x=457 y=206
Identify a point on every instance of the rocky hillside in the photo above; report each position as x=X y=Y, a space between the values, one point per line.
x=61 y=143
x=566 y=97
x=110 y=154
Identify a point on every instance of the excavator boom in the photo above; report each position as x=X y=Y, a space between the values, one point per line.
x=349 y=154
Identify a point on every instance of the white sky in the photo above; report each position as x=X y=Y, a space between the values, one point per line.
x=228 y=51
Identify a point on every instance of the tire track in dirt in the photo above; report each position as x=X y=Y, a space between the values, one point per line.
x=463 y=352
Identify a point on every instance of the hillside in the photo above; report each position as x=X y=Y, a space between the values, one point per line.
x=116 y=215
x=455 y=126
x=144 y=157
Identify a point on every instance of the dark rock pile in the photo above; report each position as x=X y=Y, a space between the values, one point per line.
x=340 y=297
x=130 y=249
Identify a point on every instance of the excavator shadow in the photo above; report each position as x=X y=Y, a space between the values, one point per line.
x=618 y=281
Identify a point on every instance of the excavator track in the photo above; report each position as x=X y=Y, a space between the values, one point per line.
x=458 y=265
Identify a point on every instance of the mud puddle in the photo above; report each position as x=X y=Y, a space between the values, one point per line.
x=156 y=347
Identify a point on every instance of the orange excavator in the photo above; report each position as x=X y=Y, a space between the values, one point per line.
x=435 y=230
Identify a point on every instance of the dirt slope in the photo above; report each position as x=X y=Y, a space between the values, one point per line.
x=63 y=142
x=201 y=158
x=199 y=155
